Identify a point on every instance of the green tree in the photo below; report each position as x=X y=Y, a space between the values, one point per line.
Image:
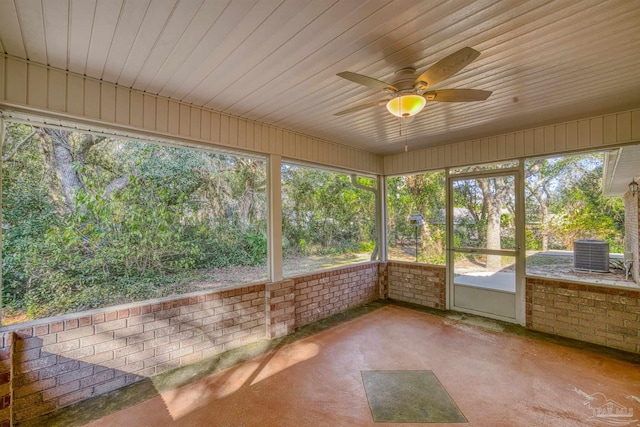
x=422 y=194
x=564 y=200
x=325 y=213
x=90 y=220
x=586 y=214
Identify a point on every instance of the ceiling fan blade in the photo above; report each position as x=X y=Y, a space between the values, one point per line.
x=366 y=81
x=448 y=66
x=457 y=95
x=361 y=107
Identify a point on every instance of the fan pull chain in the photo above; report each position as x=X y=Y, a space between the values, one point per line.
x=402 y=121
x=405 y=121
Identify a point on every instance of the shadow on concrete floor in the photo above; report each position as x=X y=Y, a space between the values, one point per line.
x=98 y=407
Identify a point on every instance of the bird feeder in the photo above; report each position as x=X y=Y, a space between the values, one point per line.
x=416 y=220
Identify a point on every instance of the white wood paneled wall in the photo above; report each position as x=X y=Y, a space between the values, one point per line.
x=587 y=134
x=46 y=90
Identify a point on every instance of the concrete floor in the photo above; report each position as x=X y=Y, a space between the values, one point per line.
x=498 y=281
x=496 y=378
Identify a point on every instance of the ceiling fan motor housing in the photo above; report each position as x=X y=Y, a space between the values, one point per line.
x=404 y=80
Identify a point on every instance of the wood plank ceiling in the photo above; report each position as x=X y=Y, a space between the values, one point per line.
x=275 y=61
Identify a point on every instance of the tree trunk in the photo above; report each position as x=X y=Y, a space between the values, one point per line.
x=494 y=200
x=493 y=233
x=544 y=216
x=63 y=164
x=354 y=182
x=538 y=191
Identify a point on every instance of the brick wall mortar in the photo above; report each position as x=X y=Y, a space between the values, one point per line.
x=7 y=400
x=383 y=280
x=280 y=308
x=602 y=315
x=323 y=294
x=417 y=283
x=64 y=360
x=69 y=359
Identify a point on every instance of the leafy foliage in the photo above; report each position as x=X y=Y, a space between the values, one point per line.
x=142 y=218
x=418 y=194
x=324 y=213
x=565 y=202
x=90 y=221
x=563 y=199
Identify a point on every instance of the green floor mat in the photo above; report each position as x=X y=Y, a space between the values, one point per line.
x=409 y=397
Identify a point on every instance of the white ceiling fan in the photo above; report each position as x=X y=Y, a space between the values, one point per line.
x=408 y=93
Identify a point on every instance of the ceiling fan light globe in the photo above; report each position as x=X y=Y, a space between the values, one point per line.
x=406 y=105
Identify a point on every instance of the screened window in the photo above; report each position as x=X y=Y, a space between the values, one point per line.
x=328 y=219
x=90 y=221
x=416 y=218
x=566 y=202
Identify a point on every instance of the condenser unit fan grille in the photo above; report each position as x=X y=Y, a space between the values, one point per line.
x=591 y=255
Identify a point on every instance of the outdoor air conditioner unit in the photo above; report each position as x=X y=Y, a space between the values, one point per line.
x=591 y=255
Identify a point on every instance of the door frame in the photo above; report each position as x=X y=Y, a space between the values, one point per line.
x=520 y=253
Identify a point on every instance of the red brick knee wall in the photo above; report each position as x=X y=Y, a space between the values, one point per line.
x=383 y=281
x=51 y=363
x=6 y=373
x=323 y=294
x=280 y=308
x=420 y=284
x=60 y=361
x=64 y=360
x=597 y=314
